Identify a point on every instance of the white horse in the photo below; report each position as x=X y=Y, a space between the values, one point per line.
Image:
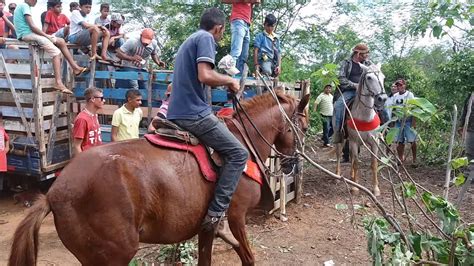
x=370 y=96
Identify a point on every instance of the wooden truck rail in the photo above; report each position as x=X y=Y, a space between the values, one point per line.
x=39 y=119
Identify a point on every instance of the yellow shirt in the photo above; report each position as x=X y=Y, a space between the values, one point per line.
x=127 y=122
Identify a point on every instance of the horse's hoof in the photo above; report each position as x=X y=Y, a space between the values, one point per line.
x=377 y=192
x=355 y=191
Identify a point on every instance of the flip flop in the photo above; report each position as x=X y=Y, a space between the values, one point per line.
x=83 y=71
x=63 y=89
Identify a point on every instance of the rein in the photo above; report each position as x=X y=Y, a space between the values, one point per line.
x=371 y=93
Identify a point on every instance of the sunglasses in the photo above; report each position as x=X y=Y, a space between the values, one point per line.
x=99 y=97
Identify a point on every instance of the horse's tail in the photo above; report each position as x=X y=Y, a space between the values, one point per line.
x=25 y=240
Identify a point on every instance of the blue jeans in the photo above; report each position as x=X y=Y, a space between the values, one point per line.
x=132 y=84
x=327 y=128
x=267 y=67
x=240 y=41
x=340 y=109
x=213 y=133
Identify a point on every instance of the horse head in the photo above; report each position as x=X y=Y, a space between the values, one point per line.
x=372 y=80
x=291 y=137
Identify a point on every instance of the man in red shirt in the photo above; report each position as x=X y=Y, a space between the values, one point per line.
x=86 y=131
x=55 y=23
x=240 y=19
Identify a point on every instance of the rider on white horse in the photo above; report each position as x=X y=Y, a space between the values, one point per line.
x=349 y=76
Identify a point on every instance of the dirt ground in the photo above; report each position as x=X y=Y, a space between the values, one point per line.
x=315 y=232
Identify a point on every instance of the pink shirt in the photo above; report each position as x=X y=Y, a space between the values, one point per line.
x=3 y=155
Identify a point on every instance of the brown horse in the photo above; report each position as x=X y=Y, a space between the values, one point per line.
x=110 y=198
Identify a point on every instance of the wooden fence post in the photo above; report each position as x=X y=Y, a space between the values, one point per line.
x=305 y=89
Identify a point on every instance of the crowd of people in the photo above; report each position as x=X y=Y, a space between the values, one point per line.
x=104 y=35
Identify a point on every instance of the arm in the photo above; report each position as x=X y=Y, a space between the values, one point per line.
x=35 y=29
x=114 y=133
x=76 y=146
x=255 y=59
x=240 y=1
x=157 y=60
x=208 y=76
x=45 y=27
x=122 y=55
x=7 y=146
x=344 y=82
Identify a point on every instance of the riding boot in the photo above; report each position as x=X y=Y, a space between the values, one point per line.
x=221 y=229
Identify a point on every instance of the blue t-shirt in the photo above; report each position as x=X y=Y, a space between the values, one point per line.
x=267 y=45
x=21 y=26
x=189 y=98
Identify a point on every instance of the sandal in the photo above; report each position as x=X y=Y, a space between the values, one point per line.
x=83 y=71
x=63 y=89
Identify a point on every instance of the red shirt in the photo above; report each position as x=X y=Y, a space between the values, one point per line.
x=241 y=11
x=87 y=128
x=2 y=22
x=3 y=155
x=55 y=22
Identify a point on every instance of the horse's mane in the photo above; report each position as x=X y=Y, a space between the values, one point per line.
x=264 y=102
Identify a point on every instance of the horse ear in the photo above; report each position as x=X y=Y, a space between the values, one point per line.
x=364 y=67
x=304 y=101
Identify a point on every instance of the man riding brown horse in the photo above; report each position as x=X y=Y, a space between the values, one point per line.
x=194 y=69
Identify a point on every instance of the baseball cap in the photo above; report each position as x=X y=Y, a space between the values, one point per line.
x=117 y=18
x=227 y=63
x=147 y=36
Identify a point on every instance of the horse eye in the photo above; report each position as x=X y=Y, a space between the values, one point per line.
x=369 y=77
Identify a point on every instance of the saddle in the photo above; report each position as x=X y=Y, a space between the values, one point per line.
x=170 y=135
x=168 y=129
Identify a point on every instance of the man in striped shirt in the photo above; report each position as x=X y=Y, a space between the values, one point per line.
x=324 y=100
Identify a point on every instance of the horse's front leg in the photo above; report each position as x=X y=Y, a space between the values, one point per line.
x=237 y=226
x=354 y=151
x=206 y=238
x=374 y=165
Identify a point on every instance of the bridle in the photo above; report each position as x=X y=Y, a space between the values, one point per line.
x=292 y=124
x=371 y=93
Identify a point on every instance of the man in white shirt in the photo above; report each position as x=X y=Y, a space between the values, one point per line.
x=324 y=100
x=85 y=33
x=405 y=133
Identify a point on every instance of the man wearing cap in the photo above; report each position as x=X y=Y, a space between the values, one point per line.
x=405 y=133
x=189 y=108
x=116 y=31
x=350 y=72
x=240 y=20
x=266 y=55
x=135 y=53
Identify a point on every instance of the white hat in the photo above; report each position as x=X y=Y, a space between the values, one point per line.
x=227 y=63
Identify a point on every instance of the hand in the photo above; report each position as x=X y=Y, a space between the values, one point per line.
x=162 y=64
x=234 y=86
x=136 y=58
x=277 y=70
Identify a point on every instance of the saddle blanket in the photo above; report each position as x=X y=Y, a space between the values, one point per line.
x=364 y=125
x=202 y=157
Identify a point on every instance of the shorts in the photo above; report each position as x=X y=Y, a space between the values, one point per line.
x=60 y=33
x=43 y=42
x=407 y=134
x=82 y=38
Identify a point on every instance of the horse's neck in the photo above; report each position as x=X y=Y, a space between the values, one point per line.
x=265 y=122
x=363 y=110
